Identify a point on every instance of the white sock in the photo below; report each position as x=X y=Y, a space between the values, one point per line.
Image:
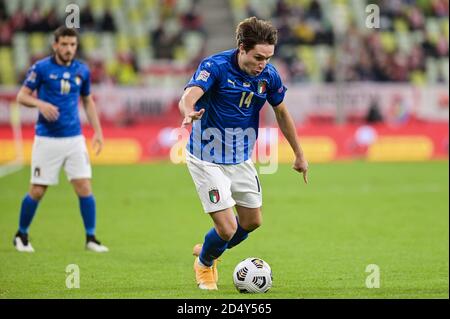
x=201 y=264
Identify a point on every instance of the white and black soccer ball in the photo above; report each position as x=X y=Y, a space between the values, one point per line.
x=252 y=275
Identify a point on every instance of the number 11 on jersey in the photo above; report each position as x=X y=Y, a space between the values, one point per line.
x=65 y=87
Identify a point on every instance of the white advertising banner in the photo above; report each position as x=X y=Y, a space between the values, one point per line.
x=396 y=102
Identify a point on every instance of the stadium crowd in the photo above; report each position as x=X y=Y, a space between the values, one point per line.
x=411 y=44
x=123 y=41
x=120 y=40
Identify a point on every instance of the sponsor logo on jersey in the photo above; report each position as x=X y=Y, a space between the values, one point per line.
x=66 y=75
x=232 y=82
x=53 y=76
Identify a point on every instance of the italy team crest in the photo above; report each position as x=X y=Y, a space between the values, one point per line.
x=262 y=86
x=214 y=196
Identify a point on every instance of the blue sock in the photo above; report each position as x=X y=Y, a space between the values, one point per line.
x=240 y=235
x=212 y=248
x=27 y=211
x=87 y=208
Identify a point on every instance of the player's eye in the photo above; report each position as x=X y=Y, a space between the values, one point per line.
x=260 y=58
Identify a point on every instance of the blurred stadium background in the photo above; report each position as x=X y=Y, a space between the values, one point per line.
x=371 y=107
x=354 y=92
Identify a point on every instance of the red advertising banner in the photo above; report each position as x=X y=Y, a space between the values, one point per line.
x=321 y=143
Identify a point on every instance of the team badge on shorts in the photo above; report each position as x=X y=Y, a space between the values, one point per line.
x=37 y=172
x=214 y=196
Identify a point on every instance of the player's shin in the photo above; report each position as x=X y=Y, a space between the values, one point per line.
x=87 y=208
x=212 y=248
x=27 y=212
x=240 y=235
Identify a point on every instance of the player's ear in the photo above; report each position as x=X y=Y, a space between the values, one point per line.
x=241 y=48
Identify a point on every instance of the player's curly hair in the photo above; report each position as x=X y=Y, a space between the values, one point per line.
x=253 y=31
x=64 y=31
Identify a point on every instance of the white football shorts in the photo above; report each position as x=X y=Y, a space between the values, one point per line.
x=223 y=186
x=49 y=154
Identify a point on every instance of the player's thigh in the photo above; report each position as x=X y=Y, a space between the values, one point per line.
x=47 y=158
x=212 y=185
x=245 y=185
x=249 y=218
x=77 y=164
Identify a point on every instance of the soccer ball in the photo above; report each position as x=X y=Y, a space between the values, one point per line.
x=252 y=275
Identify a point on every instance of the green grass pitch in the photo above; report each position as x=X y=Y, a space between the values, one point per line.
x=318 y=238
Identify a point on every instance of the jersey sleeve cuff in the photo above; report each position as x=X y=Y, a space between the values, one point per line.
x=277 y=103
x=196 y=84
x=30 y=87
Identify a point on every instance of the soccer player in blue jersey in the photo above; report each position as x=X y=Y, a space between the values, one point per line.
x=222 y=103
x=59 y=81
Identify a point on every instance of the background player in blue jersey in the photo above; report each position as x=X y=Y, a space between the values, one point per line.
x=222 y=101
x=59 y=80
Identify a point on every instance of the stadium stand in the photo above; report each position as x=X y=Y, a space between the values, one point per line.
x=158 y=42
x=121 y=40
x=410 y=46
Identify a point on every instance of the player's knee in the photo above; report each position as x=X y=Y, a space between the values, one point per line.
x=227 y=235
x=83 y=189
x=252 y=225
x=227 y=232
x=37 y=193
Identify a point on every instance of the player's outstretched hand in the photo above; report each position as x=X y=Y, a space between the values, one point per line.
x=49 y=111
x=301 y=166
x=97 y=143
x=194 y=115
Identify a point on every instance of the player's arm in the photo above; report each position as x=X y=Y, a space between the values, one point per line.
x=26 y=98
x=287 y=126
x=187 y=103
x=91 y=113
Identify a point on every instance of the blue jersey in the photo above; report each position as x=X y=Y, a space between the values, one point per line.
x=61 y=86
x=227 y=132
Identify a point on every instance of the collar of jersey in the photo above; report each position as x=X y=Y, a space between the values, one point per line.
x=53 y=59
